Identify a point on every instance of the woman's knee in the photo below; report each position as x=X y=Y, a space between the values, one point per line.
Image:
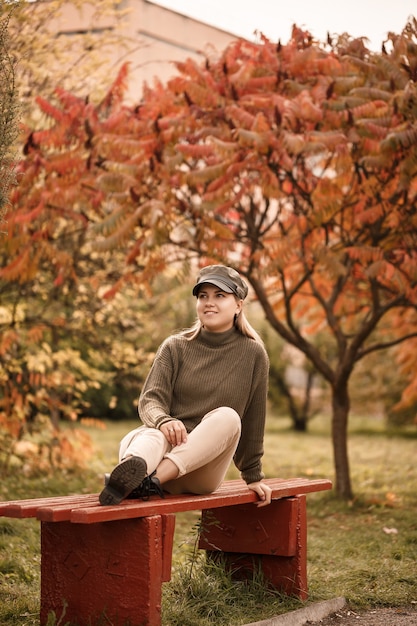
x=226 y=416
x=142 y=437
x=231 y=415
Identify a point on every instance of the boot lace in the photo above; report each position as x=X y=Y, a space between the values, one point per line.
x=150 y=486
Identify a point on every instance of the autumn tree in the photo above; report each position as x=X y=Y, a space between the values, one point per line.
x=54 y=351
x=60 y=339
x=71 y=345
x=295 y=163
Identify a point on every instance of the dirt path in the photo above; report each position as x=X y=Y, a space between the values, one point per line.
x=406 y=616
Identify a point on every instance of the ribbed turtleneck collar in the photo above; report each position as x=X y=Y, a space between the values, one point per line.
x=218 y=339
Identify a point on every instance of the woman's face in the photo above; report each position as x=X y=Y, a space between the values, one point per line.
x=216 y=309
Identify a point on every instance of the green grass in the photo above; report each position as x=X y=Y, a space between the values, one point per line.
x=365 y=550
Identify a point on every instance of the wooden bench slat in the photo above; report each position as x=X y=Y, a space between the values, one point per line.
x=30 y=508
x=5 y=507
x=86 y=509
x=231 y=493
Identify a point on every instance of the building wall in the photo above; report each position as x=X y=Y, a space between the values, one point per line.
x=156 y=37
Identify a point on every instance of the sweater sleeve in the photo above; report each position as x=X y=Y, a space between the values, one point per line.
x=156 y=397
x=248 y=455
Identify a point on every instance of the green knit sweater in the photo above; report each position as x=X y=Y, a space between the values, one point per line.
x=189 y=378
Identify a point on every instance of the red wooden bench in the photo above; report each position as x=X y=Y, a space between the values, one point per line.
x=112 y=561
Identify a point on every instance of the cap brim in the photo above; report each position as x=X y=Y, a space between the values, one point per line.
x=213 y=281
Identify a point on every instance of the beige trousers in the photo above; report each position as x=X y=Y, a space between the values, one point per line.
x=202 y=461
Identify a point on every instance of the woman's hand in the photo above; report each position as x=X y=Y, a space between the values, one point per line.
x=264 y=492
x=175 y=432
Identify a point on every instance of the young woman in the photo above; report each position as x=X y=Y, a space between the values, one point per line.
x=202 y=404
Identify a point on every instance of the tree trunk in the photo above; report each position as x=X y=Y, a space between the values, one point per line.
x=299 y=423
x=298 y=416
x=305 y=412
x=340 y=406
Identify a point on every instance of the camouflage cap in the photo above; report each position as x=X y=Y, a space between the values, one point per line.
x=225 y=278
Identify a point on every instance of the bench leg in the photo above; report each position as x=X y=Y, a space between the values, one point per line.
x=272 y=539
x=109 y=571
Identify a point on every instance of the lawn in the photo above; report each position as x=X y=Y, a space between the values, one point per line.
x=365 y=550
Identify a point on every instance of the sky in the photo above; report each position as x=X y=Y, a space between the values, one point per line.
x=274 y=18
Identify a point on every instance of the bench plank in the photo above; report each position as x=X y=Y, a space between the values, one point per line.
x=30 y=508
x=230 y=493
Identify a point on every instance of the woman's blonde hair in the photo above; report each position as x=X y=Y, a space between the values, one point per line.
x=241 y=323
